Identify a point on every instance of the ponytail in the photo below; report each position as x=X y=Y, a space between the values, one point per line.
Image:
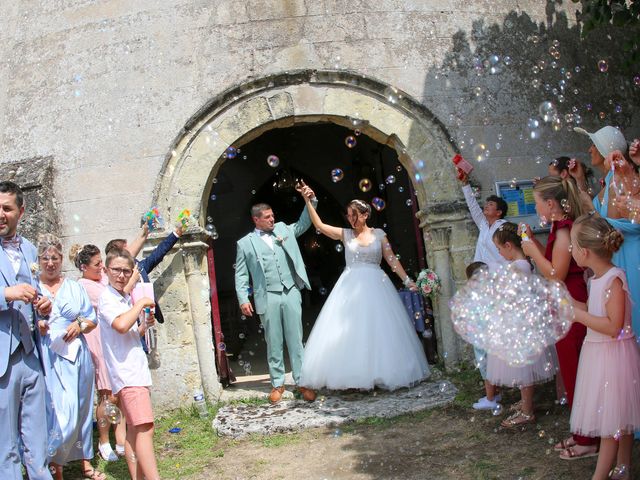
x=563 y=191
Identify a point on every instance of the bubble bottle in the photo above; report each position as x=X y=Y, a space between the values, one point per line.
x=200 y=403
x=150 y=333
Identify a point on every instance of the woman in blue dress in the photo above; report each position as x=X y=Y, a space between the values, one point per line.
x=67 y=362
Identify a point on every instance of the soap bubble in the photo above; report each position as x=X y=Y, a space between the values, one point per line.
x=322 y=291
x=378 y=203
x=222 y=347
x=350 y=141
x=231 y=153
x=547 y=111
x=336 y=175
x=497 y=410
x=507 y=60
x=357 y=132
x=409 y=202
x=390 y=179
x=392 y=94
x=636 y=80
x=364 y=185
x=273 y=161
x=480 y=152
x=112 y=413
x=339 y=247
x=510 y=314
x=618 y=109
x=603 y=66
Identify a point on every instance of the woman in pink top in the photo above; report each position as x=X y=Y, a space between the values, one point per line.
x=88 y=260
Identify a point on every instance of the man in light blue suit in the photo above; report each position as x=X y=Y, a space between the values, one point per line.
x=270 y=258
x=23 y=420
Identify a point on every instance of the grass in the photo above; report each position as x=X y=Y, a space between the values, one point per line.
x=179 y=454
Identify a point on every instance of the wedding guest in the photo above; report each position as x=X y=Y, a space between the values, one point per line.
x=610 y=204
x=88 y=260
x=544 y=367
x=67 y=360
x=147 y=264
x=488 y=220
x=607 y=397
x=363 y=337
x=22 y=386
x=558 y=202
x=126 y=362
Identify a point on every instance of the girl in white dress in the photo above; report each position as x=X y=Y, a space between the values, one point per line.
x=363 y=337
x=499 y=372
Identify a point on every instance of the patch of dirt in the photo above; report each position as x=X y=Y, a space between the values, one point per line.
x=446 y=443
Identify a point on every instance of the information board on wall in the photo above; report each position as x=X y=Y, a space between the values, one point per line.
x=522 y=206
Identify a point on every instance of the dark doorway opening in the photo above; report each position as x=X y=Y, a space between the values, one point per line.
x=311 y=152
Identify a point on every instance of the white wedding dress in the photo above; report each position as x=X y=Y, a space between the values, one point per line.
x=363 y=337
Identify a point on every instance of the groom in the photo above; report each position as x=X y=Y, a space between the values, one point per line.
x=270 y=256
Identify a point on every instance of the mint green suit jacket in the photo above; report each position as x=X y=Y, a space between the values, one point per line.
x=249 y=267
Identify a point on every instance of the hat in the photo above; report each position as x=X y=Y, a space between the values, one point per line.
x=606 y=140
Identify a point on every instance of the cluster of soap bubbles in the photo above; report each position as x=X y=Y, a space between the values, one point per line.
x=511 y=314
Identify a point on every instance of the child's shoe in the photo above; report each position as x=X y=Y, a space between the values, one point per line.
x=107 y=453
x=485 y=404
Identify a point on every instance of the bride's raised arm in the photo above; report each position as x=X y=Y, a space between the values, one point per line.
x=395 y=264
x=335 y=233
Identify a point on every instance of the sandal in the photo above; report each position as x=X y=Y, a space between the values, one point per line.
x=94 y=474
x=564 y=444
x=518 y=419
x=516 y=407
x=571 y=454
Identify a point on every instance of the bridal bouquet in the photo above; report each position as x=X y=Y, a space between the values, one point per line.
x=429 y=283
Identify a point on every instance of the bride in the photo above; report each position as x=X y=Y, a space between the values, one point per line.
x=363 y=337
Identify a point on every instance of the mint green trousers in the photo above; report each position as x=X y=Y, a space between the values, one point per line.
x=283 y=322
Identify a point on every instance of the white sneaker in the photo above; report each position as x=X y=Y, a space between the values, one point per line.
x=107 y=453
x=484 y=404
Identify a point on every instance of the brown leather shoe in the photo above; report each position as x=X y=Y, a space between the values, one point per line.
x=308 y=395
x=276 y=394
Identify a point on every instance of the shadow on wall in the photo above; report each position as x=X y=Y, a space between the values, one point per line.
x=496 y=78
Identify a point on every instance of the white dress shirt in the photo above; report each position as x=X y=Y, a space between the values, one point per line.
x=486 y=250
x=267 y=237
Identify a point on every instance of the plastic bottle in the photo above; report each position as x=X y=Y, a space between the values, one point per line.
x=199 y=402
x=150 y=334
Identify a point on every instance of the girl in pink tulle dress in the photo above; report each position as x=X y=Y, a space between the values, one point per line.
x=607 y=394
x=544 y=367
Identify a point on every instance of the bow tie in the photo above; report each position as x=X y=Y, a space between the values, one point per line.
x=263 y=232
x=13 y=242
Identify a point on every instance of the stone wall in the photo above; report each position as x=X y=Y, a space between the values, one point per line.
x=106 y=91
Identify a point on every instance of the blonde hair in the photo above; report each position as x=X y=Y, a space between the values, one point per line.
x=47 y=241
x=596 y=234
x=563 y=191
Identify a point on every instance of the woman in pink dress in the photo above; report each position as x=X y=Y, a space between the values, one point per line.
x=607 y=393
x=88 y=260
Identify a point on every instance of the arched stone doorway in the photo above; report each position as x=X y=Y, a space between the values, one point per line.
x=243 y=113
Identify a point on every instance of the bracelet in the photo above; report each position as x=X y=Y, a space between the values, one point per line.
x=407 y=281
x=81 y=323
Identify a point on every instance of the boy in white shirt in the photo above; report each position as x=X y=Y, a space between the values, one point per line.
x=488 y=220
x=127 y=362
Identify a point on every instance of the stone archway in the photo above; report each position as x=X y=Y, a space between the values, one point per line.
x=243 y=113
